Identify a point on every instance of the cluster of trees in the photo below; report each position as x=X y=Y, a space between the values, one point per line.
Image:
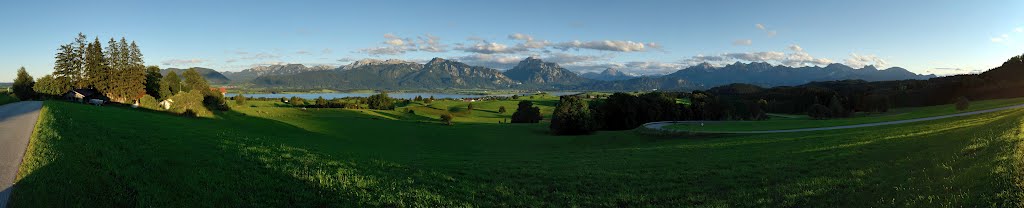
x=620 y=111
x=118 y=72
x=381 y=102
x=526 y=113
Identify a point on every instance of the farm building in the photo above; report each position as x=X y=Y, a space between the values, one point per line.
x=82 y=95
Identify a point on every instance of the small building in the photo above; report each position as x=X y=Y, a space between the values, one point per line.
x=82 y=95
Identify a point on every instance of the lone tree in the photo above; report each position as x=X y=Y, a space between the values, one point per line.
x=501 y=109
x=380 y=102
x=572 y=116
x=962 y=103
x=23 y=85
x=526 y=113
x=240 y=99
x=447 y=118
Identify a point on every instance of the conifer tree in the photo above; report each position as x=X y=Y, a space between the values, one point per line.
x=96 y=67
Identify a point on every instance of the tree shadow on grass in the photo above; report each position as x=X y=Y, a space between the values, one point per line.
x=133 y=159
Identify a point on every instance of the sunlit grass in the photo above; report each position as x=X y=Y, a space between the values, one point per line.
x=92 y=156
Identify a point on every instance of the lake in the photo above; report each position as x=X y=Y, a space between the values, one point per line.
x=329 y=96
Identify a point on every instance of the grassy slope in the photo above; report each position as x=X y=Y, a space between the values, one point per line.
x=802 y=121
x=266 y=156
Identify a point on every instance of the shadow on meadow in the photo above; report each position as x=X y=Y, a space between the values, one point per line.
x=235 y=160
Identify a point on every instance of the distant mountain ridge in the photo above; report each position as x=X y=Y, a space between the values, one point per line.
x=768 y=75
x=535 y=74
x=250 y=74
x=609 y=74
x=533 y=71
x=211 y=76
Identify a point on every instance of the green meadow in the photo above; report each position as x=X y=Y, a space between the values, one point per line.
x=262 y=154
x=781 y=122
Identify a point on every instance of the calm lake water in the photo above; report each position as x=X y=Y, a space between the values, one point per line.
x=392 y=95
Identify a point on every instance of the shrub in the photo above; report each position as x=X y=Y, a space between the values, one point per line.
x=447 y=118
x=501 y=109
x=962 y=103
x=240 y=99
x=190 y=102
x=149 y=102
x=572 y=116
x=526 y=113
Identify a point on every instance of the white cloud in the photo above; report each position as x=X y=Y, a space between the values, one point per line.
x=796 y=48
x=757 y=56
x=744 y=42
x=859 y=61
x=520 y=36
x=771 y=33
x=1019 y=29
x=603 y=45
x=395 y=45
x=996 y=40
x=486 y=47
x=326 y=51
x=179 y=62
x=797 y=57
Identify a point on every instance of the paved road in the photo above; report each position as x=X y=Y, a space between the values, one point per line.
x=16 y=123
x=662 y=124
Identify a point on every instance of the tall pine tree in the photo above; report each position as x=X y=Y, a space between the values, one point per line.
x=96 y=67
x=64 y=68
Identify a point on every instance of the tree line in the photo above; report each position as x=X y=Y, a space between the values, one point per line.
x=116 y=71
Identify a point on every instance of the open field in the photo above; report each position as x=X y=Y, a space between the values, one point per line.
x=783 y=122
x=272 y=156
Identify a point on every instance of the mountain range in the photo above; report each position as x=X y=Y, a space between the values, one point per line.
x=609 y=74
x=535 y=74
x=211 y=76
x=271 y=70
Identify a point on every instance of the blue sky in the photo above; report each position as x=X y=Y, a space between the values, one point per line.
x=644 y=37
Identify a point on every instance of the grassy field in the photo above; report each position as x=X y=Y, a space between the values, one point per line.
x=93 y=156
x=780 y=122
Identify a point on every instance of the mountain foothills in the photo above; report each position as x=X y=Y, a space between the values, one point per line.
x=210 y=75
x=535 y=74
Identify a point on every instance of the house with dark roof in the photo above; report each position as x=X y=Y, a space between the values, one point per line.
x=82 y=95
